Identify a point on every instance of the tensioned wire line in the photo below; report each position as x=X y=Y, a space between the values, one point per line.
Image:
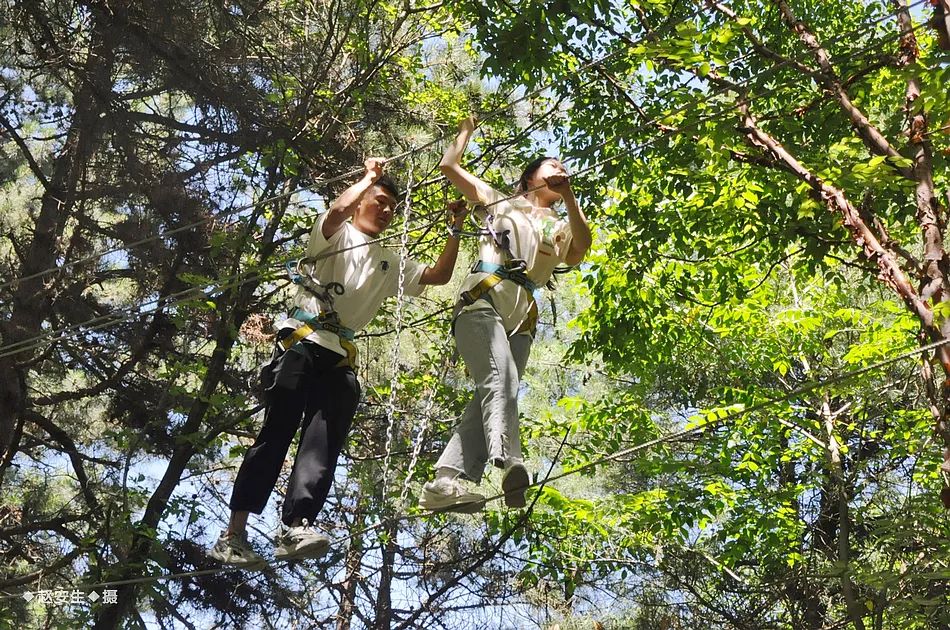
x=24 y=345
x=356 y=171
x=321 y=182
x=725 y=89
x=200 y=222
x=234 y=281
x=186 y=295
x=623 y=453
x=194 y=293
x=707 y=97
x=674 y=436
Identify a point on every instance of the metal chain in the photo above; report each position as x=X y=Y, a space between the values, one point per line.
x=420 y=436
x=391 y=423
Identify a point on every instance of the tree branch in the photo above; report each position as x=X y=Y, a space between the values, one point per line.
x=873 y=139
x=34 y=166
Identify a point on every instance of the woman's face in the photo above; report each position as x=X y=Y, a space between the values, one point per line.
x=547 y=169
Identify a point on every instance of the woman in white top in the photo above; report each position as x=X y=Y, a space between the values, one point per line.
x=497 y=312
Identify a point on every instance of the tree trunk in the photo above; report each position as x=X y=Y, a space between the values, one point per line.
x=384 y=606
x=352 y=564
x=855 y=610
x=233 y=310
x=33 y=296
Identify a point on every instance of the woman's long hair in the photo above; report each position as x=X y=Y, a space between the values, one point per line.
x=529 y=172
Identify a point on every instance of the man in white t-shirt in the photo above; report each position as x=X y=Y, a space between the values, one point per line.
x=312 y=375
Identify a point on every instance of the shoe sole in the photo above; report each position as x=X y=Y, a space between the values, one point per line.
x=250 y=564
x=308 y=552
x=468 y=507
x=514 y=485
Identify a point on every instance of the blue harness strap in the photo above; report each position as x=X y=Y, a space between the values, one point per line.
x=328 y=321
x=515 y=274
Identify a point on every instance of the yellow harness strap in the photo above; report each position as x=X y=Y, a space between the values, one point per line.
x=303 y=331
x=480 y=290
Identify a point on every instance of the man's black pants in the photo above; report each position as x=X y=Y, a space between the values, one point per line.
x=304 y=382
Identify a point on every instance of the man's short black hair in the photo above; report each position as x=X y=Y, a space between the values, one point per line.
x=386 y=183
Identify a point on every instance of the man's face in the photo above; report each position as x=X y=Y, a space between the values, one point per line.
x=375 y=211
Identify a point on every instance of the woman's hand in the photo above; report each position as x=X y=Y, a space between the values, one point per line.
x=456 y=212
x=559 y=183
x=451 y=164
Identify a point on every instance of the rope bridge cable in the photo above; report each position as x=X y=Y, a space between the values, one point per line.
x=187 y=295
x=121 y=315
x=669 y=437
x=200 y=222
x=323 y=182
x=180 y=297
x=408 y=152
x=38 y=340
x=26 y=344
x=643 y=127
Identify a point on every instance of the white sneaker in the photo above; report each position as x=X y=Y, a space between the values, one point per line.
x=234 y=550
x=514 y=484
x=448 y=495
x=295 y=543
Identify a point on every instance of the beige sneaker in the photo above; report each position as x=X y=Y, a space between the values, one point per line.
x=234 y=550
x=298 y=543
x=448 y=495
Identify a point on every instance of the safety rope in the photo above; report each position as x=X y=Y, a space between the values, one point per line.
x=343 y=176
x=672 y=25
x=24 y=345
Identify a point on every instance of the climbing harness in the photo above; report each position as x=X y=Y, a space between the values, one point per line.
x=514 y=270
x=327 y=319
